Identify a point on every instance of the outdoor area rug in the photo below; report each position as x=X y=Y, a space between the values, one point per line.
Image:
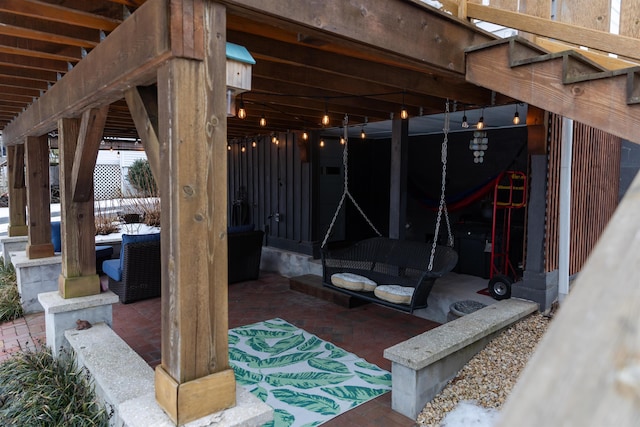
x=307 y=381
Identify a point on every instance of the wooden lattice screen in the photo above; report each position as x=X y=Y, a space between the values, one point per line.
x=595 y=181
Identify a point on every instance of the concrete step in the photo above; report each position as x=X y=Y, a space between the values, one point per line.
x=311 y=284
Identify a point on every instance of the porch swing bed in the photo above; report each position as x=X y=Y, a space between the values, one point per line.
x=389 y=261
x=391 y=272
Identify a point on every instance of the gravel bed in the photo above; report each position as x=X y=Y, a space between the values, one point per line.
x=490 y=375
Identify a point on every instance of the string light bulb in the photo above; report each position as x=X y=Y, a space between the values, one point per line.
x=321 y=143
x=480 y=124
x=242 y=112
x=325 y=119
x=254 y=144
x=516 y=117
x=342 y=140
x=404 y=114
x=274 y=139
x=305 y=135
x=228 y=147
x=243 y=149
x=263 y=121
x=465 y=123
x=362 y=134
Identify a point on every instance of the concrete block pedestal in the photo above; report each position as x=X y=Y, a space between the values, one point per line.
x=12 y=244
x=62 y=314
x=35 y=276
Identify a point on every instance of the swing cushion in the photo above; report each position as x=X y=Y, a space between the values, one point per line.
x=394 y=293
x=353 y=282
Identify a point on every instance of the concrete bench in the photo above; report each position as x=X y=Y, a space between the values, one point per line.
x=422 y=365
x=125 y=382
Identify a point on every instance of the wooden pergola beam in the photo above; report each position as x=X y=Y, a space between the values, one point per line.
x=424 y=35
x=103 y=75
x=541 y=83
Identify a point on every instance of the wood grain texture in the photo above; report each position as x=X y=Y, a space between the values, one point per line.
x=17 y=191
x=594 y=14
x=193 y=154
x=38 y=197
x=77 y=225
x=89 y=138
x=143 y=106
x=540 y=84
x=102 y=76
x=630 y=18
x=604 y=41
x=419 y=34
x=584 y=371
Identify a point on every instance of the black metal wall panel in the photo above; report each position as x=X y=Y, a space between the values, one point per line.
x=275 y=186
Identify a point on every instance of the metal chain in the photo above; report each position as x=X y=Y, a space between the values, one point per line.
x=442 y=207
x=345 y=164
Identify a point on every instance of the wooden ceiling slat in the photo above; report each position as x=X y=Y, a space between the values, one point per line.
x=347 y=66
x=38 y=54
x=35 y=75
x=49 y=12
x=25 y=33
x=33 y=63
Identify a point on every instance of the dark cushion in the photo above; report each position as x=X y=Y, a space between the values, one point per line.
x=55 y=236
x=111 y=268
x=104 y=251
x=135 y=238
x=241 y=228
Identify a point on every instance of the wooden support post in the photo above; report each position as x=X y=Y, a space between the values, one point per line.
x=17 y=191
x=195 y=378
x=38 y=197
x=77 y=226
x=143 y=105
x=398 y=179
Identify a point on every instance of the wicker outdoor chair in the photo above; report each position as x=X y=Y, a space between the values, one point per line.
x=137 y=274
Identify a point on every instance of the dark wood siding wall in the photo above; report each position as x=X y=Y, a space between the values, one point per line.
x=271 y=186
x=595 y=180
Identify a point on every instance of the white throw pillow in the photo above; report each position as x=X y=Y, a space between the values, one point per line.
x=394 y=293
x=353 y=282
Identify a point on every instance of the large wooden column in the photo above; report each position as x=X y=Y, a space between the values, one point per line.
x=78 y=141
x=17 y=191
x=194 y=378
x=38 y=197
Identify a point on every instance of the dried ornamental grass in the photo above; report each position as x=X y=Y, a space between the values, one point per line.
x=488 y=378
x=10 y=306
x=37 y=389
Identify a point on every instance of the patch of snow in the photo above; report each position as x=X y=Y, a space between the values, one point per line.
x=469 y=414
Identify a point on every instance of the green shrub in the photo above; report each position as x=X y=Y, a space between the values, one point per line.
x=10 y=307
x=141 y=178
x=37 y=389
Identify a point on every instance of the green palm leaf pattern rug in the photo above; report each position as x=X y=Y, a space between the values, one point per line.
x=307 y=381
